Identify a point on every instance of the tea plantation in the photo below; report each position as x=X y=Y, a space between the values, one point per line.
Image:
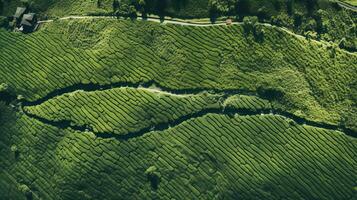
x=105 y=105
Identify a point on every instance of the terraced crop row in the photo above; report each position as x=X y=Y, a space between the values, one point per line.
x=64 y=53
x=126 y=110
x=122 y=110
x=211 y=157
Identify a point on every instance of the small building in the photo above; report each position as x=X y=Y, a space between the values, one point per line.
x=28 y=22
x=229 y=21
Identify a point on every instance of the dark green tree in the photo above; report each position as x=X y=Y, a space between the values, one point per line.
x=116 y=5
x=289 y=6
x=298 y=17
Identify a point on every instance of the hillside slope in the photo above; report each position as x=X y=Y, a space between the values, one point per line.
x=107 y=108
x=210 y=157
x=307 y=78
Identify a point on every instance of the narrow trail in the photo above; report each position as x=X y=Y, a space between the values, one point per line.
x=150 y=19
x=172 y=21
x=347 y=6
x=148 y=86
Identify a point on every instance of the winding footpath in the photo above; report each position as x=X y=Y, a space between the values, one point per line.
x=347 y=6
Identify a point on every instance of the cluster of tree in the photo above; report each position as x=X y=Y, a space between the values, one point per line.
x=250 y=24
x=224 y=7
x=125 y=9
x=302 y=16
x=129 y=8
x=6 y=93
x=267 y=9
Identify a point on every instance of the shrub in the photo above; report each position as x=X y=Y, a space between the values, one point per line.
x=282 y=20
x=262 y=13
x=271 y=93
x=116 y=5
x=26 y=191
x=223 y=6
x=310 y=35
x=249 y=22
x=298 y=16
x=311 y=25
x=15 y=150
x=4 y=87
x=126 y=10
x=259 y=33
x=20 y=97
x=153 y=176
x=4 y=22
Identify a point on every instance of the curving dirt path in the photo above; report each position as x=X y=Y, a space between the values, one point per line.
x=347 y=6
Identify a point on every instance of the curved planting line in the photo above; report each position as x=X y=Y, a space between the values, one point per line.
x=164 y=126
x=160 y=127
x=347 y=6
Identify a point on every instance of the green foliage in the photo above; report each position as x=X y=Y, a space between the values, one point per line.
x=271 y=93
x=153 y=176
x=310 y=89
x=208 y=157
x=250 y=23
x=26 y=191
x=4 y=22
x=3 y=87
x=224 y=7
x=213 y=156
x=122 y=117
x=352 y=2
x=333 y=25
x=253 y=104
x=1 y=5
x=14 y=148
x=125 y=10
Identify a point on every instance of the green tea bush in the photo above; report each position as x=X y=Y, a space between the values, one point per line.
x=123 y=110
x=221 y=58
x=214 y=155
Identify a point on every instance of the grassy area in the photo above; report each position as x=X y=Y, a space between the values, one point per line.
x=122 y=111
x=214 y=156
x=313 y=79
x=129 y=109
